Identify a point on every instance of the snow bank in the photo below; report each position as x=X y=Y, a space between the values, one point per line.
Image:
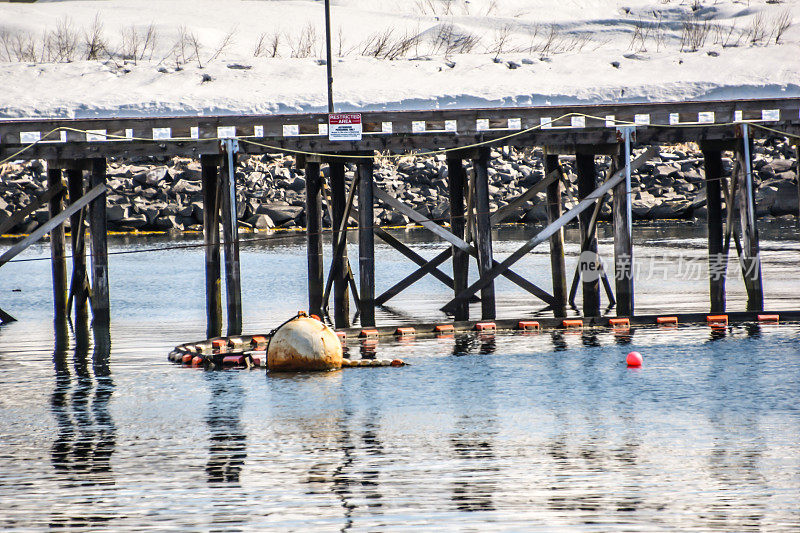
x=203 y=56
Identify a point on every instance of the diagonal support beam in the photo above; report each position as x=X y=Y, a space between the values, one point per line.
x=26 y=211
x=589 y=236
x=500 y=269
x=73 y=208
x=457 y=242
x=342 y=240
x=500 y=215
x=5 y=318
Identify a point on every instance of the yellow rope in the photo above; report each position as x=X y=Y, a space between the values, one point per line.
x=248 y=139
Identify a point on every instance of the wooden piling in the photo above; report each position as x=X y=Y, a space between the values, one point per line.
x=366 y=242
x=557 y=264
x=585 y=168
x=341 y=298
x=484 y=230
x=717 y=260
x=57 y=245
x=623 y=240
x=209 y=164
x=751 y=260
x=80 y=291
x=230 y=233
x=457 y=178
x=101 y=307
x=314 y=238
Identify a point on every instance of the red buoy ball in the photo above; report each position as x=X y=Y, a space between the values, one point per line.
x=634 y=359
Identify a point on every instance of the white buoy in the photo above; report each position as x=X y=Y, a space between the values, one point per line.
x=304 y=344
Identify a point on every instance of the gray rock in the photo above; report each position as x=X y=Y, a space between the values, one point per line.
x=261 y=222
x=280 y=214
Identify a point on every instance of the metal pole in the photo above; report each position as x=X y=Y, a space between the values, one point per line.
x=329 y=62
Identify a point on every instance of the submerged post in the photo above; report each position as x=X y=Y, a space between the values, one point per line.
x=484 y=230
x=623 y=225
x=209 y=164
x=747 y=219
x=101 y=307
x=457 y=180
x=586 y=185
x=316 y=279
x=341 y=298
x=78 y=241
x=558 y=267
x=717 y=260
x=366 y=242
x=230 y=230
x=57 y=245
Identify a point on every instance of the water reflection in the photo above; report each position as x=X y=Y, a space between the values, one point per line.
x=86 y=434
x=469 y=343
x=227 y=443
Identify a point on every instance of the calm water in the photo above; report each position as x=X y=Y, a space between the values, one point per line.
x=544 y=432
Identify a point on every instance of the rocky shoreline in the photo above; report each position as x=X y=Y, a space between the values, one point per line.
x=165 y=195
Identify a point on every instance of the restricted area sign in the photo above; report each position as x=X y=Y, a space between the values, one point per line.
x=344 y=127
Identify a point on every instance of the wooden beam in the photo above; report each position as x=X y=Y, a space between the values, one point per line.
x=366 y=242
x=21 y=214
x=558 y=269
x=5 y=318
x=623 y=238
x=585 y=242
x=483 y=237
x=314 y=238
x=749 y=230
x=209 y=168
x=427 y=268
x=101 y=306
x=230 y=233
x=500 y=215
x=717 y=261
x=457 y=181
x=547 y=232
x=587 y=182
x=39 y=232
x=338 y=272
x=58 y=245
x=76 y=185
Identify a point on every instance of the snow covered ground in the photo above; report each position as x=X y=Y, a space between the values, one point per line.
x=86 y=58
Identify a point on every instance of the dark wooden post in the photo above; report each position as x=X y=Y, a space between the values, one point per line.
x=749 y=229
x=797 y=176
x=484 y=230
x=316 y=281
x=558 y=266
x=209 y=164
x=101 y=306
x=457 y=178
x=230 y=232
x=78 y=240
x=341 y=298
x=584 y=163
x=623 y=240
x=717 y=260
x=366 y=242
x=57 y=245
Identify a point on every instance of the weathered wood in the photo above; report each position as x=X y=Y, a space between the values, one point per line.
x=5 y=318
x=77 y=236
x=341 y=300
x=57 y=243
x=717 y=261
x=420 y=261
x=591 y=234
x=366 y=242
x=587 y=182
x=558 y=267
x=457 y=180
x=749 y=230
x=209 y=165
x=230 y=233
x=797 y=174
x=623 y=240
x=314 y=237
x=547 y=232
x=394 y=203
x=101 y=306
x=414 y=277
x=501 y=215
x=483 y=237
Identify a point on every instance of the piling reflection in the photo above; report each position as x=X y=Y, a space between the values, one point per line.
x=227 y=443
x=86 y=434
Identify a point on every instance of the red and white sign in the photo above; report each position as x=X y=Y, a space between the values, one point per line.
x=344 y=127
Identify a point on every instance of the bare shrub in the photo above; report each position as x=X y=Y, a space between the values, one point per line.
x=305 y=42
x=61 y=45
x=726 y=36
x=500 y=40
x=267 y=45
x=94 y=41
x=136 y=44
x=781 y=23
x=226 y=42
x=757 y=31
x=694 y=35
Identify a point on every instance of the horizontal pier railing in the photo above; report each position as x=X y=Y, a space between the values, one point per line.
x=400 y=131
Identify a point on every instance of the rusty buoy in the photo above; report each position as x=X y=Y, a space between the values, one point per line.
x=304 y=343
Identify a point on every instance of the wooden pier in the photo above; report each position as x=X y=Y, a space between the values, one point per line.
x=78 y=149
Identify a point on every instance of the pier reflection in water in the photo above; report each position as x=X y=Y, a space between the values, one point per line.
x=545 y=431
